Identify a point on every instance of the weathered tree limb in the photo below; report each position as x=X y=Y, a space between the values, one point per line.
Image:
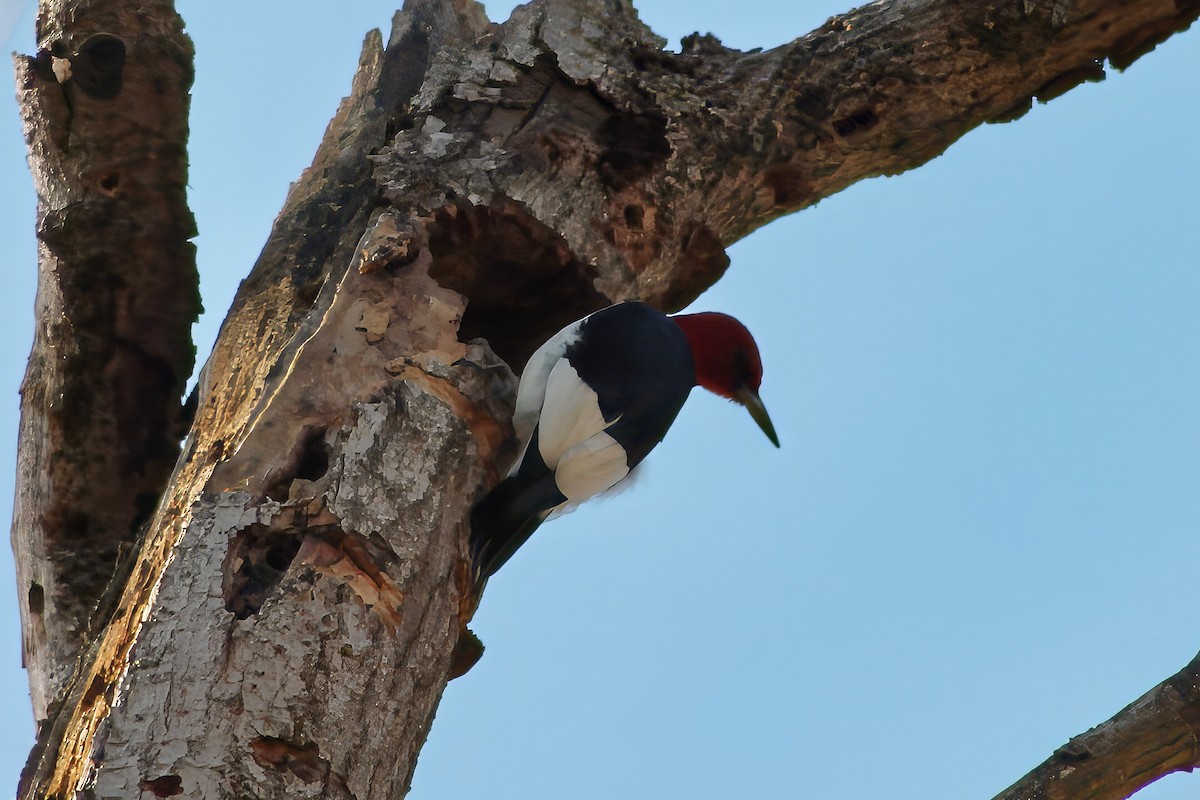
x=1157 y=734
x=289 y=623
x=105 y=107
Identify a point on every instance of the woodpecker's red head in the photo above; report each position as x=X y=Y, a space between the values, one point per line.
x=727 y=362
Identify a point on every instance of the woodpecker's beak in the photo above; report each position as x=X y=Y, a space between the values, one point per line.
x=750 y=399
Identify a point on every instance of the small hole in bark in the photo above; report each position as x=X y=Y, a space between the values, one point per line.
x=812 y=105
x=633 y=146
x=257 y=561
x=98 y=66
x=164 y=786
x=787 y=184
x=36 y=598
x=308 y=461
x=94 y=692
x=302 y=760
x=314 y=458
x=634 y=217
x=109 y=183
x=859 y=122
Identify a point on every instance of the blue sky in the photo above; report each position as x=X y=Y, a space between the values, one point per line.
x=978 y=539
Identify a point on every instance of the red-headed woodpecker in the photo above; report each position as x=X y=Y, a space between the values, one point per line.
x=594 y=401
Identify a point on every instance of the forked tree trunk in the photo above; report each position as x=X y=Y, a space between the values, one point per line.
x=290 y=616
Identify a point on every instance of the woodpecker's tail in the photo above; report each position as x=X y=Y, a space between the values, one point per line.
x=505 y=519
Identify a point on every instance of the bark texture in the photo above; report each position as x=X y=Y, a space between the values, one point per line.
x=291 y=618
x=104 y=106
x=1157 y=734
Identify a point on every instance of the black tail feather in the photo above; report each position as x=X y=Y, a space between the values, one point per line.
x=505 y=519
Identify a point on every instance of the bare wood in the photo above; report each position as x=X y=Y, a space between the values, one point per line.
x=290 y=621
x=105 y=107
x=1157 y=734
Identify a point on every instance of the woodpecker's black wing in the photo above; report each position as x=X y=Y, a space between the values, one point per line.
x=638 y=363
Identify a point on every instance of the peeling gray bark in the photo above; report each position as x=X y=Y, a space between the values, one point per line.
x=331 y=649
x=291 y=618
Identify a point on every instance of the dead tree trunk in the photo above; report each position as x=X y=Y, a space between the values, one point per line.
x=117 y=296
x=290 y=617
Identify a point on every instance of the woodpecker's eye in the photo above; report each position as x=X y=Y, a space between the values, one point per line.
x=741 y=369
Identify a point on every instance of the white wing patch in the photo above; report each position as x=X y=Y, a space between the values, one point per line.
x=591 y=467
x=622 y=485
x=531 y=393
x=570 y=414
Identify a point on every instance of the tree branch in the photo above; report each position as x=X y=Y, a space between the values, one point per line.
x=1157 y=734
x=104 y=104
x=692 y=151
x=887 y=87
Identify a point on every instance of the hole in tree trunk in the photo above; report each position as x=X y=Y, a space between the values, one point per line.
x=258 y=559
x=520 y=278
